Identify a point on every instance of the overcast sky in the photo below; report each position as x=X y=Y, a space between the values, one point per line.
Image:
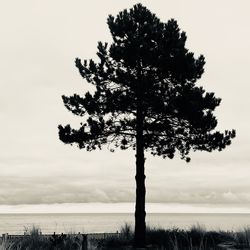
x=38 y=45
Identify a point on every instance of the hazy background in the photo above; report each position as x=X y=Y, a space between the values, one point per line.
x=38 y=44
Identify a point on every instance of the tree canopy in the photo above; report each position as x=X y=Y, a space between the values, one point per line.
x=148 y=56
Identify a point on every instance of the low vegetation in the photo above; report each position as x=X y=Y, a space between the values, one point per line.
x=34 y=240
x=195 y=238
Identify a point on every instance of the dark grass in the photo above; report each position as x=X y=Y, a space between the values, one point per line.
x=34 y=240
x=195 y=238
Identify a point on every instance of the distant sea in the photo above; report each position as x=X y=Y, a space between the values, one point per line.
x=94 y=223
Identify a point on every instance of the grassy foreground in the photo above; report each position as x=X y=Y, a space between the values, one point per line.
x=195 y=238
x=34 y=240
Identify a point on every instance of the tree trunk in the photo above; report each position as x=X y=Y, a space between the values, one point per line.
x=140 y=214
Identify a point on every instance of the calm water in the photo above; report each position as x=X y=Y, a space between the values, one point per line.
x=93 y=223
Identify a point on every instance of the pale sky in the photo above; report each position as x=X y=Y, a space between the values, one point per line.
x=38 y=45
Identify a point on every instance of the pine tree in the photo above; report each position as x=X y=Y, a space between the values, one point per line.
x=145 y=98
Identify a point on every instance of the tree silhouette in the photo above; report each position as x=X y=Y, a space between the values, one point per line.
x=145 y=98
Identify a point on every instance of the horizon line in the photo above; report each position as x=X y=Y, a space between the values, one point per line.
x=126 y=207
